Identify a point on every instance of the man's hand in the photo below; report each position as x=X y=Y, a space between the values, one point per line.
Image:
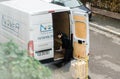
x=59 y=50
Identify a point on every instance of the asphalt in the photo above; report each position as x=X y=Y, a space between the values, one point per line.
x=105 y=48
x=104 y=58
x=106 y=24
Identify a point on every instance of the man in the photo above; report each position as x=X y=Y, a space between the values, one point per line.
x=66 y=47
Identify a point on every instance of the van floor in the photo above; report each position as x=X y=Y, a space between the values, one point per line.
x=58 y=55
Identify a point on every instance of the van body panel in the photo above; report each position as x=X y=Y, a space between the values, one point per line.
x=24 y=24
x=14 y=25
x=42 y=32
x=33 y=7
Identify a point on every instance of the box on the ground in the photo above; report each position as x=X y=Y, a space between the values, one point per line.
x=79 y=69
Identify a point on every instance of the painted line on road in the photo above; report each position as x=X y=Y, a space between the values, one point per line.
x=111 y=65
x=105 y=29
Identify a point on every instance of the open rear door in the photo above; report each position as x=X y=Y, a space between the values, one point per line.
x=80 y=34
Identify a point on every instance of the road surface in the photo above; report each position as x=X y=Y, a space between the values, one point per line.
x=105 y=57
x=104 y=60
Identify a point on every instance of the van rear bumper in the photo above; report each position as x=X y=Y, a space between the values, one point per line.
x=50 y=60
x=47 y=60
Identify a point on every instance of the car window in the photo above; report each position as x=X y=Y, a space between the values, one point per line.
x=70 y=3
x=58 y=3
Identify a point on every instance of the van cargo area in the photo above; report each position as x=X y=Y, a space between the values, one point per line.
x=61 y=23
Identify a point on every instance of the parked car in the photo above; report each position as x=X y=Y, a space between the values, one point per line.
x=77 y=5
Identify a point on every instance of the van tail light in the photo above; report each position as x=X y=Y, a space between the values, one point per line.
x=51 y=11
x=31 y=48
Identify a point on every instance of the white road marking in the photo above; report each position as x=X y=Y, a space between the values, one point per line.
x=111 y=65
x=115 y=40
x=97 y=57
x=104 y=28
x=98 y=76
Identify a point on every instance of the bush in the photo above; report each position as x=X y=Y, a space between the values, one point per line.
x=15 y=64
x=110 y=5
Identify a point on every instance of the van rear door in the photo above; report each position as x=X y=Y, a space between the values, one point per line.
x=80 y=31
x=42 y=35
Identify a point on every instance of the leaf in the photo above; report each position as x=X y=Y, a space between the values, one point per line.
x=17 y=65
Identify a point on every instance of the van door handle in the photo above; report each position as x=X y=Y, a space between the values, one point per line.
x=81 y=42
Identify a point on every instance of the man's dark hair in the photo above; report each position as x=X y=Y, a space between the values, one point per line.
x=63 y=34
x=59 y=33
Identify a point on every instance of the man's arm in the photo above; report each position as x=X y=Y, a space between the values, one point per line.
x=60 y=49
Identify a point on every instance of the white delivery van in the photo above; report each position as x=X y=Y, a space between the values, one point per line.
x=33 y=25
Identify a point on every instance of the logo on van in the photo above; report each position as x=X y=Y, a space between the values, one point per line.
x=10 y=24
x=44 y=28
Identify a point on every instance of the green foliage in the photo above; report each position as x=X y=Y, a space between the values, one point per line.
x=15 y=64
x=110 y=5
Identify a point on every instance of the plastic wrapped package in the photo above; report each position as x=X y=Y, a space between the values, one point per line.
x=79 y=69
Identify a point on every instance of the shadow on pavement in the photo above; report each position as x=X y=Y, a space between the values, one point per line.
x=59 y=65
x=89 y=77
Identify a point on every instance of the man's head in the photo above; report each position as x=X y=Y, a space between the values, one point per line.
x=59 y=35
